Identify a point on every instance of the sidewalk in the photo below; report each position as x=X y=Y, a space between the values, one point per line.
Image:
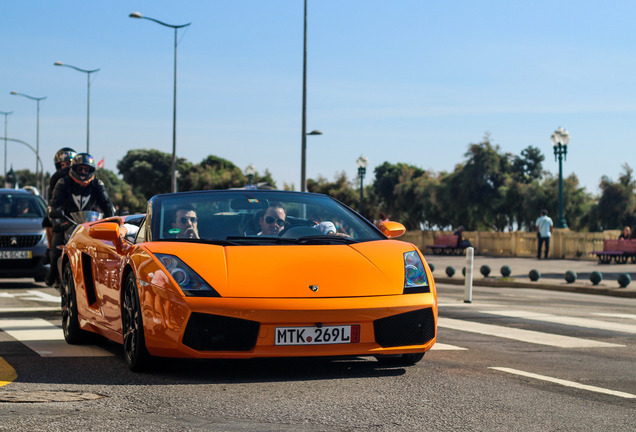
x=552 y=274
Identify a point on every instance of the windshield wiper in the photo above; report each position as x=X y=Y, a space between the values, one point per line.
x=317 y=239
x=202 y=241
x=252 y=239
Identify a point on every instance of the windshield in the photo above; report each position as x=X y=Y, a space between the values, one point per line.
x=21 y=206
x=255 y=217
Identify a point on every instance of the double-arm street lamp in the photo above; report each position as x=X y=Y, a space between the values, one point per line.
x=362 y=163
x=173 y=168
x=560 y=139
x=5 y=114
x=37 y=135
x=88 y=100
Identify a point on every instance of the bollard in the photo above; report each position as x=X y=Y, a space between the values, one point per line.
x=468 y=281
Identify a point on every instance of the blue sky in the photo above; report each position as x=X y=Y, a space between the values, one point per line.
x=410 y=81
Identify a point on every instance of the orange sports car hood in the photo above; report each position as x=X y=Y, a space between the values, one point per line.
x=290 y=271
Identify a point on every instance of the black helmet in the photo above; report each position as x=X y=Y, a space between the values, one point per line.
x=83 y=168
x=63 y=154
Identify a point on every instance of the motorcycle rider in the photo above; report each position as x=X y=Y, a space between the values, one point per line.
x=62 y=161
x=78 y=191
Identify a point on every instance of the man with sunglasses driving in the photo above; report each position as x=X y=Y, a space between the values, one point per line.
x=273 y=220
x=185 y=223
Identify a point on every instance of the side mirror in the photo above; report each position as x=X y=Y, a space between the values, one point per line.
x=392 y=229
x=108 y=231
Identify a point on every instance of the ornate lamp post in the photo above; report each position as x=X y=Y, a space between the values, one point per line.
x=250 y=171
x=88 y=103
x=174 y=105
x=37 y=136
x=5 y=114
x=362 y=163
x=560 y=139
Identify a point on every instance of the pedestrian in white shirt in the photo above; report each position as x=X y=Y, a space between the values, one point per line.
x=544 y=232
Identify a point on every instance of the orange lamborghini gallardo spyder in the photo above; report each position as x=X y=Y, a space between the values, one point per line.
x=248 y=273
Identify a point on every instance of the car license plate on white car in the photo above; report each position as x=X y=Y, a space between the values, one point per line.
x=318 y=335
x=15 y=254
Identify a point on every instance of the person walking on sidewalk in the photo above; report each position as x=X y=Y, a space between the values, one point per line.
x=544 y=232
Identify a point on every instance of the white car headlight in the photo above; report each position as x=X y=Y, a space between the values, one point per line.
x=188 y=280
x=415 y=278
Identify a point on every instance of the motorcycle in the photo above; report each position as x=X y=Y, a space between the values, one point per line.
x=80 y=217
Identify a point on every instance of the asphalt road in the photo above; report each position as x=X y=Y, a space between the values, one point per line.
x=514 y=358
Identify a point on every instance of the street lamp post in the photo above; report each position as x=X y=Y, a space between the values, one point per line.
x=173 y=167
x=37 y=136
x=362 y=163
x=303 y=146
x=560 y=139
x=5 y=114
x=303 y=165
x=39 y=161
x=88 y=99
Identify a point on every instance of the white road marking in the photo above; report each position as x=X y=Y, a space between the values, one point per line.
x=36 y=295
x=47 y=339
x=462 y=304
x=445 y=347
x=572 y=321
x=566 y=382
x=529 y=336
x=30 y=309
x=616 y=315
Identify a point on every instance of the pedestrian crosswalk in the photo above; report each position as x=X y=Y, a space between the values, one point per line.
x=533 y=336
x=530 y=336
x=47 y=339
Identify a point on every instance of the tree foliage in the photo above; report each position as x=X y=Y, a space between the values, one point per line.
x=489 y=190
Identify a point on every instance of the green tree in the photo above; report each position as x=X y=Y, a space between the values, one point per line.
x=121 y=194
x=148 y=171
x=341 y=189
x=528 y=166
x=392 y=201
x=616 y=206
x=213 y=173
x=472 y=195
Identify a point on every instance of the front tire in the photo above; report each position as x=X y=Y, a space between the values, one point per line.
x=73 y=334
x=135 y=351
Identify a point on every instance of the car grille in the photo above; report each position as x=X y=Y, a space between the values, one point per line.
x=219 y=333
x=410 y=328
x=23 y=241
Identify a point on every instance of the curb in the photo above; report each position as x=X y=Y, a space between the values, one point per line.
x=491 y=282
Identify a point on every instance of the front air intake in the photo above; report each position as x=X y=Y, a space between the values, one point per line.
x=410 y=328
x=206 y=332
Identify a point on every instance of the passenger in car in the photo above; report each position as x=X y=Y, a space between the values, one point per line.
x=273 y=220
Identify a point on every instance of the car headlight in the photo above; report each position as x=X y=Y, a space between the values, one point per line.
x=415 y=278
x=188 y=280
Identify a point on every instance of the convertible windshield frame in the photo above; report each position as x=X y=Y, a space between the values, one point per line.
x=234 y=217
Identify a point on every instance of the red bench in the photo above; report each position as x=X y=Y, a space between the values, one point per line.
x=618 y=250
x=446 y=245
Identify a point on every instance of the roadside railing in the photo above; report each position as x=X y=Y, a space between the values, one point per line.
x=565 y=244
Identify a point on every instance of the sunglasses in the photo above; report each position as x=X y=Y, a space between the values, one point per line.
x=192 y=219
x=271 y=220
x=82 y=169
